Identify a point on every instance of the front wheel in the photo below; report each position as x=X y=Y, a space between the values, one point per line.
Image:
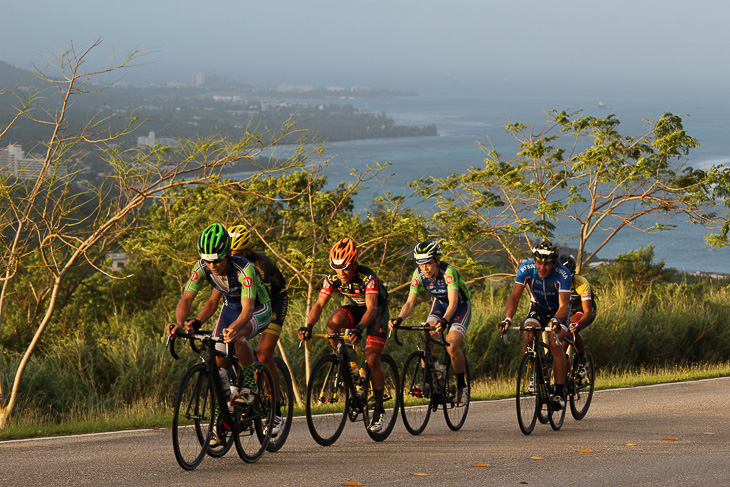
x=582 y=387
x=416 y=398
x=253 y=437
x=193 y=418
x=456 y=399
x=528 y=402
x=328 y=400
x=390 y=399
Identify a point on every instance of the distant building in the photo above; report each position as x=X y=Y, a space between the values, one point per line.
x=14 y=161
x=197 y=80
x=119 y=260
x=151 y=140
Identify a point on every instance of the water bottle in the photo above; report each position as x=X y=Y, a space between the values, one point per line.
x=440 y=371
x=355 y=372
x=361 y=384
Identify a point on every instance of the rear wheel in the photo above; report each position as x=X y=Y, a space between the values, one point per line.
x=582 y=393
x=253 y=436
x=285 y=404
x=415 y=394
x=527 y=395
x=390 y=399
x=328 y=400
x=192 y=422
x=456 y=402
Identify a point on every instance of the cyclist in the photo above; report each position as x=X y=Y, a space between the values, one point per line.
x=582 y=310
x=367 y=310
x=548 y=283
x=275 y=284
x=246 y=310
x=451 y=304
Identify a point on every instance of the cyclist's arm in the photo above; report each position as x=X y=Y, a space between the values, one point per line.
x=406 y=310
x=182 y=309
x=210 y=306
x=371 y=311
x=236 y=328
x=585 y=320
x=317 y=308
x=562 y=313
x=453 y=295
x=514 y=300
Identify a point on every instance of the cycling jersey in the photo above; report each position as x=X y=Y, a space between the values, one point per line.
x=241 y=281
x=275 y=284
x=365 y=282
x=545 y=291
x=448 y=279
x=581 y=291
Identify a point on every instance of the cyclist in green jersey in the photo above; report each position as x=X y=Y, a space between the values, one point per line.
x=246 y=311
x=451 y=305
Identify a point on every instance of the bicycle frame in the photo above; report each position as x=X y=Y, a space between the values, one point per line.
x=426 y=342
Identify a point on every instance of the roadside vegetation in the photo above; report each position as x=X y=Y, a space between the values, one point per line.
x=81 y=344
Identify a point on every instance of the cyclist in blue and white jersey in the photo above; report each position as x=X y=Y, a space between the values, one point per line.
x=451 y=304
x=549 y=285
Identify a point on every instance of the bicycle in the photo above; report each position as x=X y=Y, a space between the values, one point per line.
x=201 y=404
x=579 y=386
x=335 y=392
x=535 y=386
x=424 y=388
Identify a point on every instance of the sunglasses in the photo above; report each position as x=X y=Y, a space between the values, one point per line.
x=216 y=261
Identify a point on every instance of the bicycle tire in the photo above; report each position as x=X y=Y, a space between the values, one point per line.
x=543 y=412
x=455 y=412
x=328 y=400
x=286 y=403
x=527 y=398
x=391 y=398
x=193 y=416
x=226 y=435
x=252 y=437
x=415 y=399
x=582 y=393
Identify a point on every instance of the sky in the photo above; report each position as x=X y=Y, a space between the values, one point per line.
x=386 y=44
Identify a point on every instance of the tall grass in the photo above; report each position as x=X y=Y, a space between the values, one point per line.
x=124 y=375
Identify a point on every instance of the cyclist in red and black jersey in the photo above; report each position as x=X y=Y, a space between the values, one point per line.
x=368 y=310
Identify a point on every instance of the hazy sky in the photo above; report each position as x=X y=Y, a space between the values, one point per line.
x=325 y=41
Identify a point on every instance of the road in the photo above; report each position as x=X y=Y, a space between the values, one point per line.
x=674 y=434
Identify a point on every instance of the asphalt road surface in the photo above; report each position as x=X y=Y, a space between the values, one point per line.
x=675 y=434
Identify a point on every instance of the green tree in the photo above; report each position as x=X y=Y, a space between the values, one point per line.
x=581 y=169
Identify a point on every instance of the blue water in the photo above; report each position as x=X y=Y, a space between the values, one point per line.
x=464 y=120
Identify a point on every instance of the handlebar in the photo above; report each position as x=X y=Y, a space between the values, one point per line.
x=422 y=327
x=199 y=336
x=340 y=337
x=530 y=328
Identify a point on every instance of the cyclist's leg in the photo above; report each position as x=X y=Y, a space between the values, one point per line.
x=459 y=324
x=377 y=336
x=246 y=357
x=265 y=352
x=559 y=364
x=341 y=318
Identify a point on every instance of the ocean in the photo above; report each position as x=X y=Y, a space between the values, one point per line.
x=465 y=120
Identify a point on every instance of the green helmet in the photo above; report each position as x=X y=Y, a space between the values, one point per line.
x=214 y=242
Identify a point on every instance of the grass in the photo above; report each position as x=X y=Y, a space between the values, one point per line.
x=29 y=424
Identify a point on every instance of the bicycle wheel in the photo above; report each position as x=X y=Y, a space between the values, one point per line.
x=328 y=400
x=527 y=399
x=192 y=422
x=415 y=394
x=555 y=417
x=456 y=406
x=582 y=394
x=253 y=438
x=286 y=405
x=225 y=434
x=391 y=400
x=543 y=412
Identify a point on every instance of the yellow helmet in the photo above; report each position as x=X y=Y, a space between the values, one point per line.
x=240 y=238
